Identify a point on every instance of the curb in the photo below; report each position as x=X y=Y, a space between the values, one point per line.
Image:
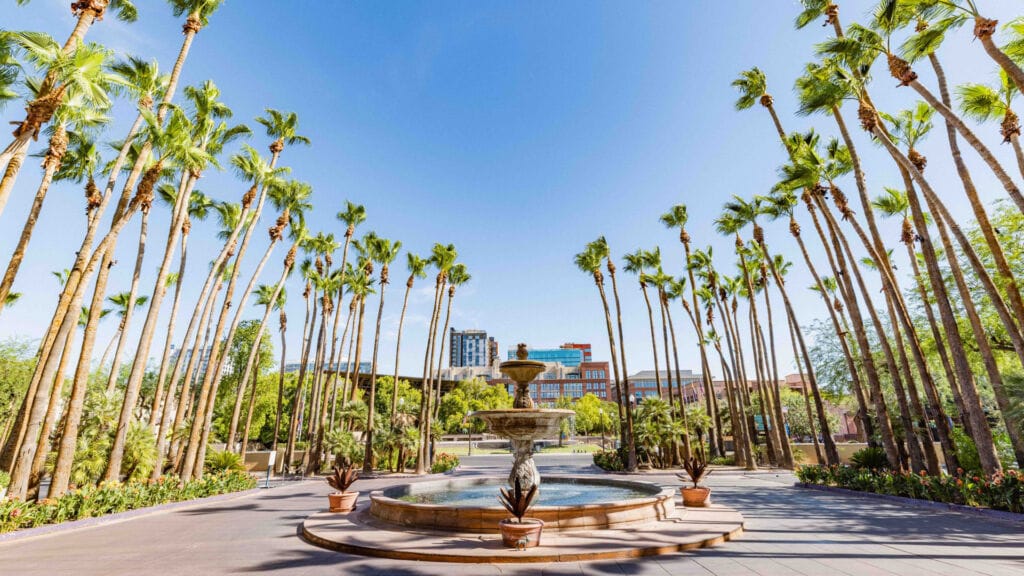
x=116 y=517
x=985 y=513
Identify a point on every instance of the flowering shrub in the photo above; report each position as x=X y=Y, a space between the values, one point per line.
x=1004 y=491
x=444 y=462
x=109 y=498
x=609 y=460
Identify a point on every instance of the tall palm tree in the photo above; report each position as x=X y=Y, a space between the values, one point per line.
x=88 y=12
x=417 y=267
x=443 y=258
x=205 y=100
x=78 y=71
x=200 y=206
x=272 y=299
x=677 y=217
x=71 y=135
x=174 y=143
x=384 y=252
x=457 y=276
x=636 y=263
x=600 y=246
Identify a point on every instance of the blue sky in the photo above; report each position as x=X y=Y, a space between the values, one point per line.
x=516 y=130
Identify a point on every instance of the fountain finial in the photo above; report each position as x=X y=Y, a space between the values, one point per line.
x=522 y=353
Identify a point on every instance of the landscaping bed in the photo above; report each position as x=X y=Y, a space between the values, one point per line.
x=93 y=501
x=1004 y=491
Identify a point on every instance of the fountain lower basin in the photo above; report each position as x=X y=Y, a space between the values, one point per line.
x=573 y=503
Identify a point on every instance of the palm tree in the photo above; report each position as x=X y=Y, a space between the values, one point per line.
x=384 y=252
x=272 y=299
x=88 y=12
x=635 y=263
x=80 y=149
x=983 y=103
x=677 y=217
x=443 y=258
x=457 y=276
x=417 y=267
x=174 y=144
x=199 y=208
x=600 y=246
x=205 y=100
x=80 y=71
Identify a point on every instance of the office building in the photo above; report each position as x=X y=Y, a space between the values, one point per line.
x=469 y=348
x=559 y=380
x=644 y=384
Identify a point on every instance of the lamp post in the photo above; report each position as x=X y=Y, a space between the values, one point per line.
x=600 y=413
x=469 y=434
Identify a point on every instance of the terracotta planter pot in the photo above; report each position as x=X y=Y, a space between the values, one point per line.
x=525 y=535
x=342 y=501
x=696 y=497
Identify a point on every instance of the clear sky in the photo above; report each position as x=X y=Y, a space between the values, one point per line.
x=516 y=130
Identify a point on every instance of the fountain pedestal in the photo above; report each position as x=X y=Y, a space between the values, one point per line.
x=523 y=424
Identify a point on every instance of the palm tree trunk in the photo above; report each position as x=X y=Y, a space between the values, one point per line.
x=787 y=451
x=398 y=347
x=421 y=458
x=1018 y=152
x=820 y=456
x=995 y=377
x=248 y=412
x=437 y=375
x=280 y=395
x=130 y=308
x=58 y=146
x=687 y=453
x=860 y=332
x=845 y=255
x=43 y=445
x=625 y=398
x=371 y=404
x=984 y=28
x=1007 y=279
x=972 y=404
x=154 y=413
x=654 y=340
x=307 y=336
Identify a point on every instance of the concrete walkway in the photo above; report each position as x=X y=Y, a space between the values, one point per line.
x=789 y=531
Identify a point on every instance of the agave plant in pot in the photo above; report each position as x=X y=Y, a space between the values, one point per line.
x=518 y=532
x=696 y=470
x=342 y=500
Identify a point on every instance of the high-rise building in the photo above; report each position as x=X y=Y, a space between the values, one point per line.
x=469 y=348
x=570 y=355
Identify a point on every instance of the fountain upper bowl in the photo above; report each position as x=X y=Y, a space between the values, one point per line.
x=523 y=423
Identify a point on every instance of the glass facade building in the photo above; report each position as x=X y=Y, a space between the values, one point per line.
x=569 y=357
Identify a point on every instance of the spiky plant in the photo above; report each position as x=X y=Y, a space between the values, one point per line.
x=696 y=470
x=518 y=502
x=343 y=477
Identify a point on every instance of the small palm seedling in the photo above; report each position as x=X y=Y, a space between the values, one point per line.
x=343 y=478
x=696 y=470
x=518 y=502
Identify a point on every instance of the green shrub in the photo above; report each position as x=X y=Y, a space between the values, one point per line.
x=223 y=461
x=728 y=460
x=609 y=460
x=109 y=498
x=1004 y=491
x=870 y=458
x=5 y=479
x=444 y=462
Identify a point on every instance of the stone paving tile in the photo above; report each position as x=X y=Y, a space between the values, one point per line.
x=789 y=531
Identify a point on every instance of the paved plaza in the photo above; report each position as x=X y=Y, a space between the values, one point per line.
x=788 y=531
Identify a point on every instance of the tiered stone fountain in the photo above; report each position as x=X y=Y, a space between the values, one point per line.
x=524 y=423
x=585 y=517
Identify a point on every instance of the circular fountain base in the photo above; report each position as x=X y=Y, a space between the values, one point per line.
x=566 y=503
x=363 y=534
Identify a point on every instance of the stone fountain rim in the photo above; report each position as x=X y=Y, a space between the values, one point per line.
x=656 y=493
